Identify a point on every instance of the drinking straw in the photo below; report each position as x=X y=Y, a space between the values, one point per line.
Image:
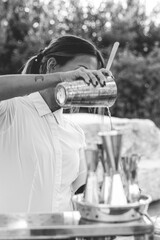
x=112 y=55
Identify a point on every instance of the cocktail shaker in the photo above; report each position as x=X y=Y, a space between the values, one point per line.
x=112 y=141
x=91 y=194
x=106 y=184
x=80 y=94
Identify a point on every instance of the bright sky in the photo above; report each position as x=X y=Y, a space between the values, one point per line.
x=150 y=4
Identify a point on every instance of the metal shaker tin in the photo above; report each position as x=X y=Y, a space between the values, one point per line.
x=79 y=94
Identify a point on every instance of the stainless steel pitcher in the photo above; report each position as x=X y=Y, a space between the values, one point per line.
x=79 y=94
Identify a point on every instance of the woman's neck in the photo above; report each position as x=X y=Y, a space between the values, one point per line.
x=48 y=96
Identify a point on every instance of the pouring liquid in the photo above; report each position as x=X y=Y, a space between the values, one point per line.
x=101 y=112
x=110 y=118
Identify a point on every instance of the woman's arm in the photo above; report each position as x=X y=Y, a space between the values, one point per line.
x=19 y=85
x=23 y=84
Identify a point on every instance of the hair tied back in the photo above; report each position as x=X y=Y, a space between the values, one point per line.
x=39 y=56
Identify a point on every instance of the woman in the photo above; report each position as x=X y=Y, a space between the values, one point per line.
x=41 y=164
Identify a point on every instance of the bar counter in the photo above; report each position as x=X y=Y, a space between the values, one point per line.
x=69 y=225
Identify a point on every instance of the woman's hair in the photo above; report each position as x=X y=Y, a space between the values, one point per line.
x=63 y=50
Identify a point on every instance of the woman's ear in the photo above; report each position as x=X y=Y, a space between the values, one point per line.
x=51 y=64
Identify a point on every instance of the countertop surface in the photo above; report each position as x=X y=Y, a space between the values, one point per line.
x=66 y=225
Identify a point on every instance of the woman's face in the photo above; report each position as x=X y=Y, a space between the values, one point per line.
x=86 y=61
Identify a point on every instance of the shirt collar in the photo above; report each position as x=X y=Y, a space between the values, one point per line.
x=42 y=107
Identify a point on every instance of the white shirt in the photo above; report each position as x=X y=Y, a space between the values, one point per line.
x=40 y=164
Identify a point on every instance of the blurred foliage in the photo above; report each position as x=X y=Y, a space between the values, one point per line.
x=27 y=26
x=138 y=86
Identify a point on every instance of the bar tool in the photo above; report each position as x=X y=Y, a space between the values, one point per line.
x=106 y=185
x=130 y=171
x=91 y=194
x=112 y=141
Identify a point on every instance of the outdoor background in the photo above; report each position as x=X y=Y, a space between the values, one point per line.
x=27 y=26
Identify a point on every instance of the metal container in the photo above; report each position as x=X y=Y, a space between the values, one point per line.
x=109 y=213
x=79 y=94
x=156 y=222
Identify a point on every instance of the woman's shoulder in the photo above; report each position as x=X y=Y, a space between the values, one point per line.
x=14 y=105
x=8 y=110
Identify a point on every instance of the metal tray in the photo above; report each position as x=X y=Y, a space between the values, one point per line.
x=109 y=213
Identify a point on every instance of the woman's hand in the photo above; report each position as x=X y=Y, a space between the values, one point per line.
x=93 y=77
